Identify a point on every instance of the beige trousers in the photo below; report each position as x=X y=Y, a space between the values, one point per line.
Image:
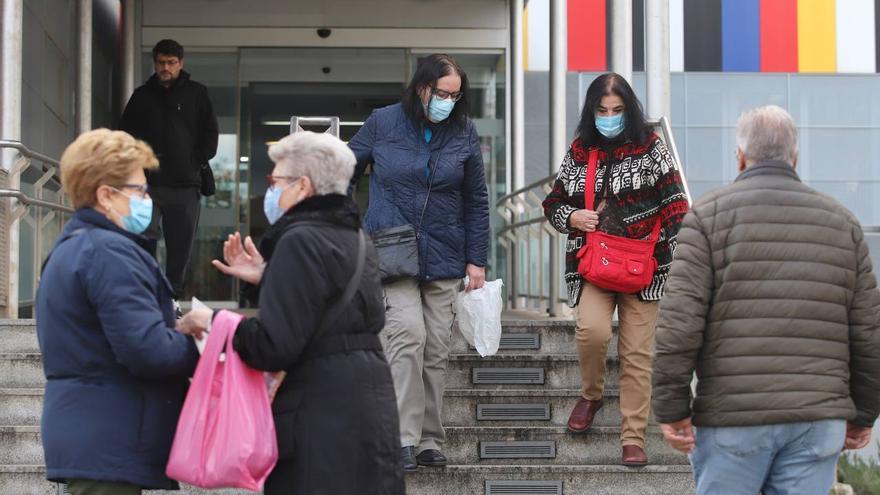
x=416 y=339
x=635 y=347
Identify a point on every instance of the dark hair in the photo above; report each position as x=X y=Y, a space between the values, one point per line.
x=428 y=71
x=636 y=128
x=170 y=48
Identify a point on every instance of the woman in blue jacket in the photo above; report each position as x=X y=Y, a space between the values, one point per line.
x=116 y=369
x=427 y=173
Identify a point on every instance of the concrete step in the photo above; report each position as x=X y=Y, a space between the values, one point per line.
x=465 y=479
x=18 y=336
x=25 y=370
x=21 y=370
x=21 y=445
x=575 y=479
x=600 y=445
x=560 y=371
x=461 y=406
x=555 y=336
x=31 y=480
x=21 y=406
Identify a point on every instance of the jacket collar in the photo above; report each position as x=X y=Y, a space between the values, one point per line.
x=89 y=217
x=331 y=208
x=769 y=167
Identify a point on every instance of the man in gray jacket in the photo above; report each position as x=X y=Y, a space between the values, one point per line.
x=772 y=301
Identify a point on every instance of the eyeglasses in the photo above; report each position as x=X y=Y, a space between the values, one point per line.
x=140 y=189
x=270 y=179
x=446 y=95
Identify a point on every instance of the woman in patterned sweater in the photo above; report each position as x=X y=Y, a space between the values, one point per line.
x=636 y=184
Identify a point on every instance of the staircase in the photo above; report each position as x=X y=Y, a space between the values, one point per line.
x=505 y=418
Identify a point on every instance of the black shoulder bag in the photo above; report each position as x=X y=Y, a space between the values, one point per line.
x=208 y=186
x=398 y=247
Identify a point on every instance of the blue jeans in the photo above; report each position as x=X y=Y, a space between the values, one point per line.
x=790 y=458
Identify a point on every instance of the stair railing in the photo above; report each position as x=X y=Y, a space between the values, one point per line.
x=30 y=190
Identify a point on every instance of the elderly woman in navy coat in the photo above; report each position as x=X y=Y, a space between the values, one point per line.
x=428 y=173
x=116 y=369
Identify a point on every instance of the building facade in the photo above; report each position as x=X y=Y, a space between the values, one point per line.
x=265 y=61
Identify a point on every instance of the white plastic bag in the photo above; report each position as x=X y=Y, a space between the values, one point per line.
x=479 y=316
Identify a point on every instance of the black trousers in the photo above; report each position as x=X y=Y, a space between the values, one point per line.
x=176 y=216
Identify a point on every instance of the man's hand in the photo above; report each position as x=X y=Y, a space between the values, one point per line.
x=584 y=220
x=680 y=435
x=243 y=260
x=856 y=436
x=476 y=277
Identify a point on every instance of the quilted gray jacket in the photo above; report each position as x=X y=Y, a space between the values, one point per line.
x=772 y=301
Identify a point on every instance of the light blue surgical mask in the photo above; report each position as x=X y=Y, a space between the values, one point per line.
x=610 y=126
x=439 y=108
x=272 y=203
x=140 y=214
x=271 y=207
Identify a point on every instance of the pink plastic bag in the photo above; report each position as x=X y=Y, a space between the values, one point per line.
x=226 y=434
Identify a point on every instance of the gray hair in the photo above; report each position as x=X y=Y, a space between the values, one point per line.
x=767 y=133
x=326 y=160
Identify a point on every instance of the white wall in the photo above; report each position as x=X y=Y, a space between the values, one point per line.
x=48 y=76
x=474 y=14
x=354 y=23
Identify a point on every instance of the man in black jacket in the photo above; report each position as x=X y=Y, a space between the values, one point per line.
x=173 y=114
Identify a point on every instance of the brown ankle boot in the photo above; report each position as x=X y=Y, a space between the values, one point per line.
x=582 y=415
x=633 y=455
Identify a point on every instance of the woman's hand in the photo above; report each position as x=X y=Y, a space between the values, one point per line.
x=476 y=277
x=243 y=261
x=584 y=220
x=195 y=323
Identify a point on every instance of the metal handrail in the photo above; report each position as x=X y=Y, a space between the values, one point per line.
x=44 y=217
x=25 y=199
x=526 y=230
x=25 y=151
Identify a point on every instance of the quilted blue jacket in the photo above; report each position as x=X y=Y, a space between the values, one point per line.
x=455 y=227
x=116 y=370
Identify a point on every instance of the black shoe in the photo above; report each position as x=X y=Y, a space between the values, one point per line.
x=431 y=458
x=408 y=459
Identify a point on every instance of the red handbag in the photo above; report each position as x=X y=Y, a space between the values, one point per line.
x=615 y=263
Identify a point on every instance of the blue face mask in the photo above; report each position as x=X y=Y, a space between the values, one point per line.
x=139 y=216
x=439 y=109
x=271 y=203
x=611 y=126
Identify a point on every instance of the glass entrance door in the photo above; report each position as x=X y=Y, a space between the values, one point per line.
x=255 y=91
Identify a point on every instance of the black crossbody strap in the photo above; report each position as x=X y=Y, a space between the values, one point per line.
x=354 y=282
x=427 y=196
x=339 y=305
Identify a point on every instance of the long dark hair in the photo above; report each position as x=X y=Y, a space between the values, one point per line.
x=636 y=128
x=428 y=71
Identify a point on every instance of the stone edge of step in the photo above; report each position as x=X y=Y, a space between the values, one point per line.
x=547 y=430
x=24 y=391
x=520 y=357
x=478 y=468
x=19 y=429
x=497 y=469
x=520 y=393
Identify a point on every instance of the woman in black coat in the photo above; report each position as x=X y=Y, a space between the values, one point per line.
x=335 y=413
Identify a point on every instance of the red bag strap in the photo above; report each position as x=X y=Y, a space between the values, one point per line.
x=590 y=181
x=590 y=190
